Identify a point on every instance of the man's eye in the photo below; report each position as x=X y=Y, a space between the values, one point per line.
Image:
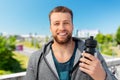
x=56 y=24
x=66 y=23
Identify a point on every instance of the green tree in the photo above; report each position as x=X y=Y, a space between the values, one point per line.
x=118 y=36
x=100 y=38
x=108 y=38
x=7 y=62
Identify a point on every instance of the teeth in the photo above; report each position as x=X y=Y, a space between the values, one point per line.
x=62 y=34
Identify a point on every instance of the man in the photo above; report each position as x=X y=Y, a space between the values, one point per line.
x=60 y=58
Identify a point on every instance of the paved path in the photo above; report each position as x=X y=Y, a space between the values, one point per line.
x=27 y=51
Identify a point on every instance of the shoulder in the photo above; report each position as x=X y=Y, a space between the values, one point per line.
x=36 y=55
x=79 y=42
x=78 y=39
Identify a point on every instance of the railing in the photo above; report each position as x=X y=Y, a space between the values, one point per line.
x=15 y=76
x=112 y=64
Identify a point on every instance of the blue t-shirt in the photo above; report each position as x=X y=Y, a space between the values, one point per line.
x=64 y=69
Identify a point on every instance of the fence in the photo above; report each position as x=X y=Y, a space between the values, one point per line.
x=113 y=64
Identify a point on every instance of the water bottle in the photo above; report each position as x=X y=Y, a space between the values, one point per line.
x=90 y=45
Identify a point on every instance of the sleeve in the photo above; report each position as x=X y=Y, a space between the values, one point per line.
x=109 y=75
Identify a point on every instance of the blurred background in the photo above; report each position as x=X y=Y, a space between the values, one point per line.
x=24 y=28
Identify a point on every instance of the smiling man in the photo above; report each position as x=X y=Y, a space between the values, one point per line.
x=60 y=58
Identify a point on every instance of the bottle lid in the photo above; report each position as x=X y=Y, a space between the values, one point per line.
x=91 y=42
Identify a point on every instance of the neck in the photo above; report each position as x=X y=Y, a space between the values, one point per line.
x=63 y=46
x=63 y=52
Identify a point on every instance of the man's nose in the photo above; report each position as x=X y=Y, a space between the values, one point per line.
x=62 y=27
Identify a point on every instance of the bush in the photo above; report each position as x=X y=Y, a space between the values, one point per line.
x=7 y=62
x=13 y=65
x=107 y=52
x=19 y=64
x=106 y=49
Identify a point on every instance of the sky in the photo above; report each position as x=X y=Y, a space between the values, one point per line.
x=31 y=16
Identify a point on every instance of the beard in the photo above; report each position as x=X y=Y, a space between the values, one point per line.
x=66 y=40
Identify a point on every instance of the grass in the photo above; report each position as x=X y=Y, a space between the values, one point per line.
x=110 y=49
x=22 y=58
x=3 y=72
x=117 y=50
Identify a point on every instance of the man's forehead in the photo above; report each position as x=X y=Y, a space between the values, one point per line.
x=60 y=16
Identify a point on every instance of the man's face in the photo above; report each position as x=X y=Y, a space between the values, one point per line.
x=61 y=27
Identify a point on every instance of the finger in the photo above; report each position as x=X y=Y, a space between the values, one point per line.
x=84 y=70
x=84 y=60
x=86 y=66
x=89 y=56
x=89 y=72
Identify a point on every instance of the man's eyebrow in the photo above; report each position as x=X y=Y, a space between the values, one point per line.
x=67 y=20
x=56 y=21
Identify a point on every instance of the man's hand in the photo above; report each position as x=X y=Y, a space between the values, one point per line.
x=92 y=66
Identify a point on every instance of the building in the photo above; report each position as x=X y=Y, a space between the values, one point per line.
x=86 y=33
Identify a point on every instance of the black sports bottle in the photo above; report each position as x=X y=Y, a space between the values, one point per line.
x=90 y=45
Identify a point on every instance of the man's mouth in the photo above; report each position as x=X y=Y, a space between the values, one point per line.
x=62 y=34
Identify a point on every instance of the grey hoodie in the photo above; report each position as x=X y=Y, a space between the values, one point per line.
x=41 y=65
